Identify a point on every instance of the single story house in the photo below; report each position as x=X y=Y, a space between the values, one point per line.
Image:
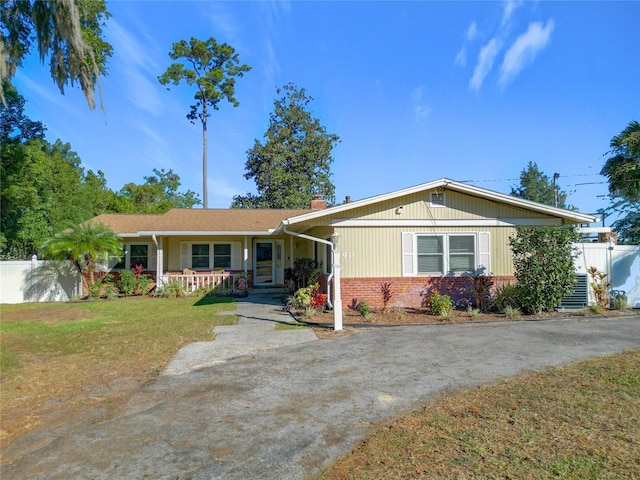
x=431 y=235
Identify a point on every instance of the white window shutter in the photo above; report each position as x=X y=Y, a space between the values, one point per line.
x=184 y=255
x=236 y=256
x=152 y=261
x=484 y=252
x=408 y=257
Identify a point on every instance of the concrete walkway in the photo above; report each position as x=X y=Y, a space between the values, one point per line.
x=254 y=332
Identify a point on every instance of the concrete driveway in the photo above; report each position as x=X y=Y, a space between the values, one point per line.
x=288 y=413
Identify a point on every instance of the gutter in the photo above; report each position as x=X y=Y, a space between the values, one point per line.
x=313 y=239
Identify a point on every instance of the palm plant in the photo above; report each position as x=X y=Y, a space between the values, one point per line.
x=83 y=245
x=623 y=168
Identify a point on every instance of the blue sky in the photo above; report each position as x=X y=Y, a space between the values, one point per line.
x=415 y=90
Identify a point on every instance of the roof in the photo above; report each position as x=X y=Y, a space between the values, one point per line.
x=570 y=216
x=198 y=221
x=242 y=221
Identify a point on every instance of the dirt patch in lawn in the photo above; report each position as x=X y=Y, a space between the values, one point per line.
x=49 y=316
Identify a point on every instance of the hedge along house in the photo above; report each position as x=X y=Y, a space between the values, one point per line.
x=432 y=235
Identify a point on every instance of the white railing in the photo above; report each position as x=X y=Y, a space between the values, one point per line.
x=195 y=281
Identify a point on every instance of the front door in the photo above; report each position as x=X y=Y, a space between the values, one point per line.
x=268 y=262
x=264 y=263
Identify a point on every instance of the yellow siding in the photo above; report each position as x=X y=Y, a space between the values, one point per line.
x=171 y=247
x=377 y=252
x=458 y=206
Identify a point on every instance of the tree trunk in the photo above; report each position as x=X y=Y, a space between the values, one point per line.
x=205 y=203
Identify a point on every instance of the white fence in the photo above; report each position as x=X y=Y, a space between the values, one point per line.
x=195 y=281
x=621 y=263
x=38 y=281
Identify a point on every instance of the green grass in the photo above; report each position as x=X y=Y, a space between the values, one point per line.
x=64 y=357
x=291 y=326
x=576 y=422
x=106 y=328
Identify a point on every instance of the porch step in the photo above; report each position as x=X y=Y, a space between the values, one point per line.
x=268 y=292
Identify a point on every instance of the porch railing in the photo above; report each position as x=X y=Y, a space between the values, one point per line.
x=195 y=281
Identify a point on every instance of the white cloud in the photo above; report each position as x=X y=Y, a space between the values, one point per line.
x=486 y=57
x=470 y=35
x=524 y=50
x=472 y=31
x=510 y=7
x=270 y=63
x=136 y=68
x=421 y=110
x=461 y=57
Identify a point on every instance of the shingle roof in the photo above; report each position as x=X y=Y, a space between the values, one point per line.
x=208 y=221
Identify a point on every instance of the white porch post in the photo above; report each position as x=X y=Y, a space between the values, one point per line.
x=159 y=259
x=245 y=257
x=337 y=300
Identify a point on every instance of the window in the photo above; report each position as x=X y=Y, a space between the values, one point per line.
x=121 y=261
x=135 y=254
x=200 y=255
x=447 y=253
x=436 y=199
x=211 y=255
x=430 y=254
x=222 y=255
x=139 y=255
x=462 y=256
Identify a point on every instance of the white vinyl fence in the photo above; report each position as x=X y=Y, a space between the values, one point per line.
x=38 y=281
x=621 y=263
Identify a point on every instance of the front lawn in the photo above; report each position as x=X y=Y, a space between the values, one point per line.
x=577 y=422
x=64 y=357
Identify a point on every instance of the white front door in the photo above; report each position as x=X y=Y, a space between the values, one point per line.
x=268 y=262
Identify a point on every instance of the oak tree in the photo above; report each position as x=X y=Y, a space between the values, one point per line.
x=294 y=162
x=67 y=32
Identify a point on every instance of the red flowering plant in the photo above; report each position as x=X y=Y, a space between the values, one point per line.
x=308 y=298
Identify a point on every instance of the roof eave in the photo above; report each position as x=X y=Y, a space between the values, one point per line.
x=168 y=233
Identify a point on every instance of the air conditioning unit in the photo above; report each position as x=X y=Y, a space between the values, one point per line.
x=579 y=299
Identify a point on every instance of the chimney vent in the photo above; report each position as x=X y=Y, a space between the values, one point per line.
x=347 y=199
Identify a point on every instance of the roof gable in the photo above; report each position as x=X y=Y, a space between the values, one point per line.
x=567 y=215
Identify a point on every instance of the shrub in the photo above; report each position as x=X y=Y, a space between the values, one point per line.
x=364 y=309
x=439 y=304
x=596 y=308
x=472 y=312
x=142 y=284
x=387 y=295
x=305 y=272
x=127 y=283
x=600 y=286
x=481 y=287
x=619 y=301
x=512 y=312
x=173 y=288
x=308 y=298
x=505 y=296
x=102 y=288
x=543 y=262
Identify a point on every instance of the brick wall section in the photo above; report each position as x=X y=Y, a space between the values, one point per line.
x=410 y=292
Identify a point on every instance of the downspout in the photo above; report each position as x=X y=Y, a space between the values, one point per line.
x=337 y=309
x=313 y=239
